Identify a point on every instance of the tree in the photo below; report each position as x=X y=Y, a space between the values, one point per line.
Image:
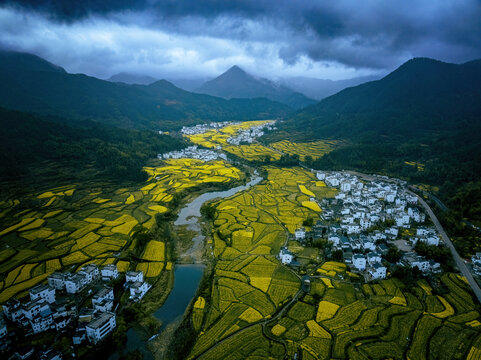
x=338 y=255
x=393 y=255
x=308 y=222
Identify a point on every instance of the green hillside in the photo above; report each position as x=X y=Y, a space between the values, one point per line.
x=29 y=144
x=426 y=112
x=29 y=83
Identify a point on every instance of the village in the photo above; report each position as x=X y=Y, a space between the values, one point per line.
x=360 y=225
x=193 y=152
x=364 y=220
x=81 y=304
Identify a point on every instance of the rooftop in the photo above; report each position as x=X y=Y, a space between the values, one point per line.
x=101 y=320
x=39 y=288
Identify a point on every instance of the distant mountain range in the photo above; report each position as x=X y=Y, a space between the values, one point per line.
x=236 y=83
x=29 y=83
x=319 y=89
x=312 y=88
x=182 y=83
x=128 y=78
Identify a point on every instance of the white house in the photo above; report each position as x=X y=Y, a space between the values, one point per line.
x=476 y=261
x=300 y=234
x=401 y=202
x=373 y=258
x=91 y=272
x=138 y=290
x=418 y=261
x=332 y=181
x=104 y=300
x=365 y=223
x=359 y=261
x=334 y=239
x=3 y=328
x=355 y=244
x=33 y=308
x=377 y=271
x=13 y=310
x=285 y=256
x=432 y=239
x=390 y=197
x=133 y=276
x=57 y=280
x=418 y=216
x=320 y=175
x=352 y=228
x=109 y=272
x=392 y=231
x=44 y=292
x=378 y=235
x=345 y=186
x=75 y=282
x=42 y=322
x=412 y=199
x=422 y=231
x=368 y=243
x=62 y=322
x=100 y=327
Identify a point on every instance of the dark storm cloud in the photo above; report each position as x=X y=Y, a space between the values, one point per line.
x=369 y=35
x=70 y=10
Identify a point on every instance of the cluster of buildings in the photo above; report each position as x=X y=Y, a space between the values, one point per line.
x=355 y=222
x=476 y=263
x=193 y=152
x=202 y=128
x=56 y=305
x=250 y=134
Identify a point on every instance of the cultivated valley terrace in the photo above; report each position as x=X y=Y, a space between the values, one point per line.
x=240 y=180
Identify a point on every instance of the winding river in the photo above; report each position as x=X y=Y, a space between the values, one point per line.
x=187 y=277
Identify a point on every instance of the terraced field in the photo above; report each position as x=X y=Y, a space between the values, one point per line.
x=249 y=229
x=70 y=226
x=314 y=149
x=339 y=318
x=217 y=138
x=338 y=321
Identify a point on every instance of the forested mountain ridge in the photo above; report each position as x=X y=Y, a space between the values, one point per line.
x=422 y=95
x=29 y=83
x=28 y=141
x=422 y=122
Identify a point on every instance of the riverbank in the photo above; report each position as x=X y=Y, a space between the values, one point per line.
x=169 y=300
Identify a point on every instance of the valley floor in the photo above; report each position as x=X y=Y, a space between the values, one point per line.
x=278 y=283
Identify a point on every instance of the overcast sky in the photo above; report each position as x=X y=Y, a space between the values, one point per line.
x=270 y=38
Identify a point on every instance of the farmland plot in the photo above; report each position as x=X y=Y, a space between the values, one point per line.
x=73 y=225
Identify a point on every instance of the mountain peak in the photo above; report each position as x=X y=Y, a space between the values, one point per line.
x=235 y=72
x=236 y=83
x=236 y=68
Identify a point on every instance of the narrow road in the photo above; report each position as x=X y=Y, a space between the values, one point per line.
x=459 y=261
